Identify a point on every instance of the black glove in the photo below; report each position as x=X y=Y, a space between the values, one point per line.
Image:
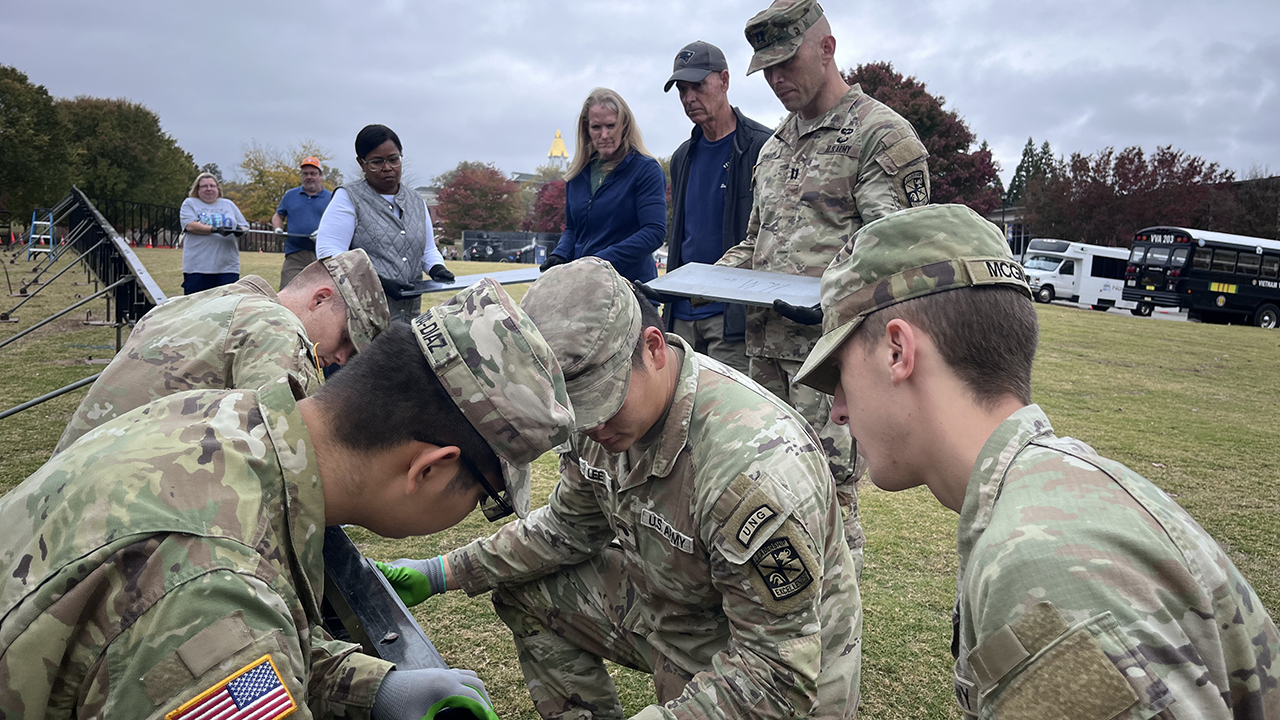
x=237 y=231
x=653 y=295
x=552 y=261
x=802 y=315
x=440 y=273
x=394 y=288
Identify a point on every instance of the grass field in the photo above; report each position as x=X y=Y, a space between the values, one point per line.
x=1193 y=407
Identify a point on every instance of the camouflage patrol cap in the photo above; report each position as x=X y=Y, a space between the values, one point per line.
x=777 y=31
x=590 y=317
x=357 y=281
x=500 y=371
x=909 y=254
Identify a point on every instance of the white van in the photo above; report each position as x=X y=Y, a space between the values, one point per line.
x=1087 y=274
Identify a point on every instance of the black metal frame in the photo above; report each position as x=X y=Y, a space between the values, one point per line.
x=129 y=288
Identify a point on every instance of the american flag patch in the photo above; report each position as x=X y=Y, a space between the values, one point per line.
x=254 y=692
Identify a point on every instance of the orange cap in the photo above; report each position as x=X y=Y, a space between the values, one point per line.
x=312 y=160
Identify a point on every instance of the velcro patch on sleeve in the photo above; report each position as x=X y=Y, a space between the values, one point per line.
x=1072 y=680
x=903 y=153
x=754 y=517
x=254 y=692
x=783 y=570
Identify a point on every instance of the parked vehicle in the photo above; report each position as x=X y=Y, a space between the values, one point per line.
x=1089 y=274
x=1216 y=277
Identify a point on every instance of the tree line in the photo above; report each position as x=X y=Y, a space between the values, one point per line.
x=109 y=148
x=1105 y=197
x=117 y=149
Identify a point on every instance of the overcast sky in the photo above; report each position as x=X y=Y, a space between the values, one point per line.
x=493 y=80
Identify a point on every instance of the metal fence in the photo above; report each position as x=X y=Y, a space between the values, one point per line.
x=141 y=224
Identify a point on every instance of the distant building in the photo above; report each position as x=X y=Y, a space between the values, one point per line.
x=558 y=155
x=1010 y=219
x=428 y=195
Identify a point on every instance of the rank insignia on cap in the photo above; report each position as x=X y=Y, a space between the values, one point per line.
x=254 y=692
x=782 y=568
x=685 y=56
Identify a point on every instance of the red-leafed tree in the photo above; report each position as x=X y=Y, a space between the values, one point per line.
x=477 y=196
x=547 y=213
x=956 y=174
x=1105 y=197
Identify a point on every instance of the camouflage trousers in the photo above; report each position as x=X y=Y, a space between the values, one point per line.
x=847 y=467
x=565 y=626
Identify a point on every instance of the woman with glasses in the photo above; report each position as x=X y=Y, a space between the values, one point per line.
x=212 y=225
x=616 y=198
x=389 y=221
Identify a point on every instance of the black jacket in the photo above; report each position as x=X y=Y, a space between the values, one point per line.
x=748 y=138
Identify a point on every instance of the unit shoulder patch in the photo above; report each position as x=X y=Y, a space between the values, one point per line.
x=915 y=188
x=784 y=568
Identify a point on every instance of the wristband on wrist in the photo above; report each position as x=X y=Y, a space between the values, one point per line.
x=435 y=574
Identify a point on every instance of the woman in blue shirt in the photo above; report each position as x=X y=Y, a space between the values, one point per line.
x=616 y=195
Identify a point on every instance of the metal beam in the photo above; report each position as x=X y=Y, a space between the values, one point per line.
x=370 y=610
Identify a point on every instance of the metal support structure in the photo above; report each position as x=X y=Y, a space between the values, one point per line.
x=66 y=310
x=67 y=245
x=369 y=609
x=49 y=396
x=8 y=316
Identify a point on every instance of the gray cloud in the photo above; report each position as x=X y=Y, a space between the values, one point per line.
x=492 y=81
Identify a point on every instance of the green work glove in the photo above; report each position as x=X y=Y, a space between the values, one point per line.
x=431 y=693
x=415 y=580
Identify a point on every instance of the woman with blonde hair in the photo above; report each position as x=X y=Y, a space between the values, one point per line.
x=210 y=251
x=616 y=196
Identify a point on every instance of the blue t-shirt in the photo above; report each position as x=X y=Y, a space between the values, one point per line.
x=704 y=214
x=303 y=212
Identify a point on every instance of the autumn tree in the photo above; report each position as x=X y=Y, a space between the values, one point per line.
x=477 y=196
x=267 y=173
x=120 y=151
x=34 y=167
x=1104 y=197
x=547 y=214
x=1258 y=198
x=956 y=173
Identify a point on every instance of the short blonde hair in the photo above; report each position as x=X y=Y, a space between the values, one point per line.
x=584 y=152
x=195 y=186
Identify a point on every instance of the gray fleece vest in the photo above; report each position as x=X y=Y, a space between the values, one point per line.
x=394 y=244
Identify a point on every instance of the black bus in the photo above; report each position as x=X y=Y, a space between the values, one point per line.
x=1216 y=277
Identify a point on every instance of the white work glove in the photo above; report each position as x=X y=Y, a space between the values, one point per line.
x=421 y=694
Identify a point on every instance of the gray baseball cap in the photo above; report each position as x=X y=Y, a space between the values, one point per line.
x=694 y=62
x=590 y=317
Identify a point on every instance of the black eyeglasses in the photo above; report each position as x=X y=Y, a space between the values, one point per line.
x=495 y=506
x=377 y=163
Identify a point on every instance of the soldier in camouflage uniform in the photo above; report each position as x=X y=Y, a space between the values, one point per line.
x=240 y=336
x=1084 y=591
x=839 y=160
x=693 y=534
x=178 y=548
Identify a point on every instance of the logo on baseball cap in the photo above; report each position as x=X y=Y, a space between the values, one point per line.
x=694 y=62
x=313 y=161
